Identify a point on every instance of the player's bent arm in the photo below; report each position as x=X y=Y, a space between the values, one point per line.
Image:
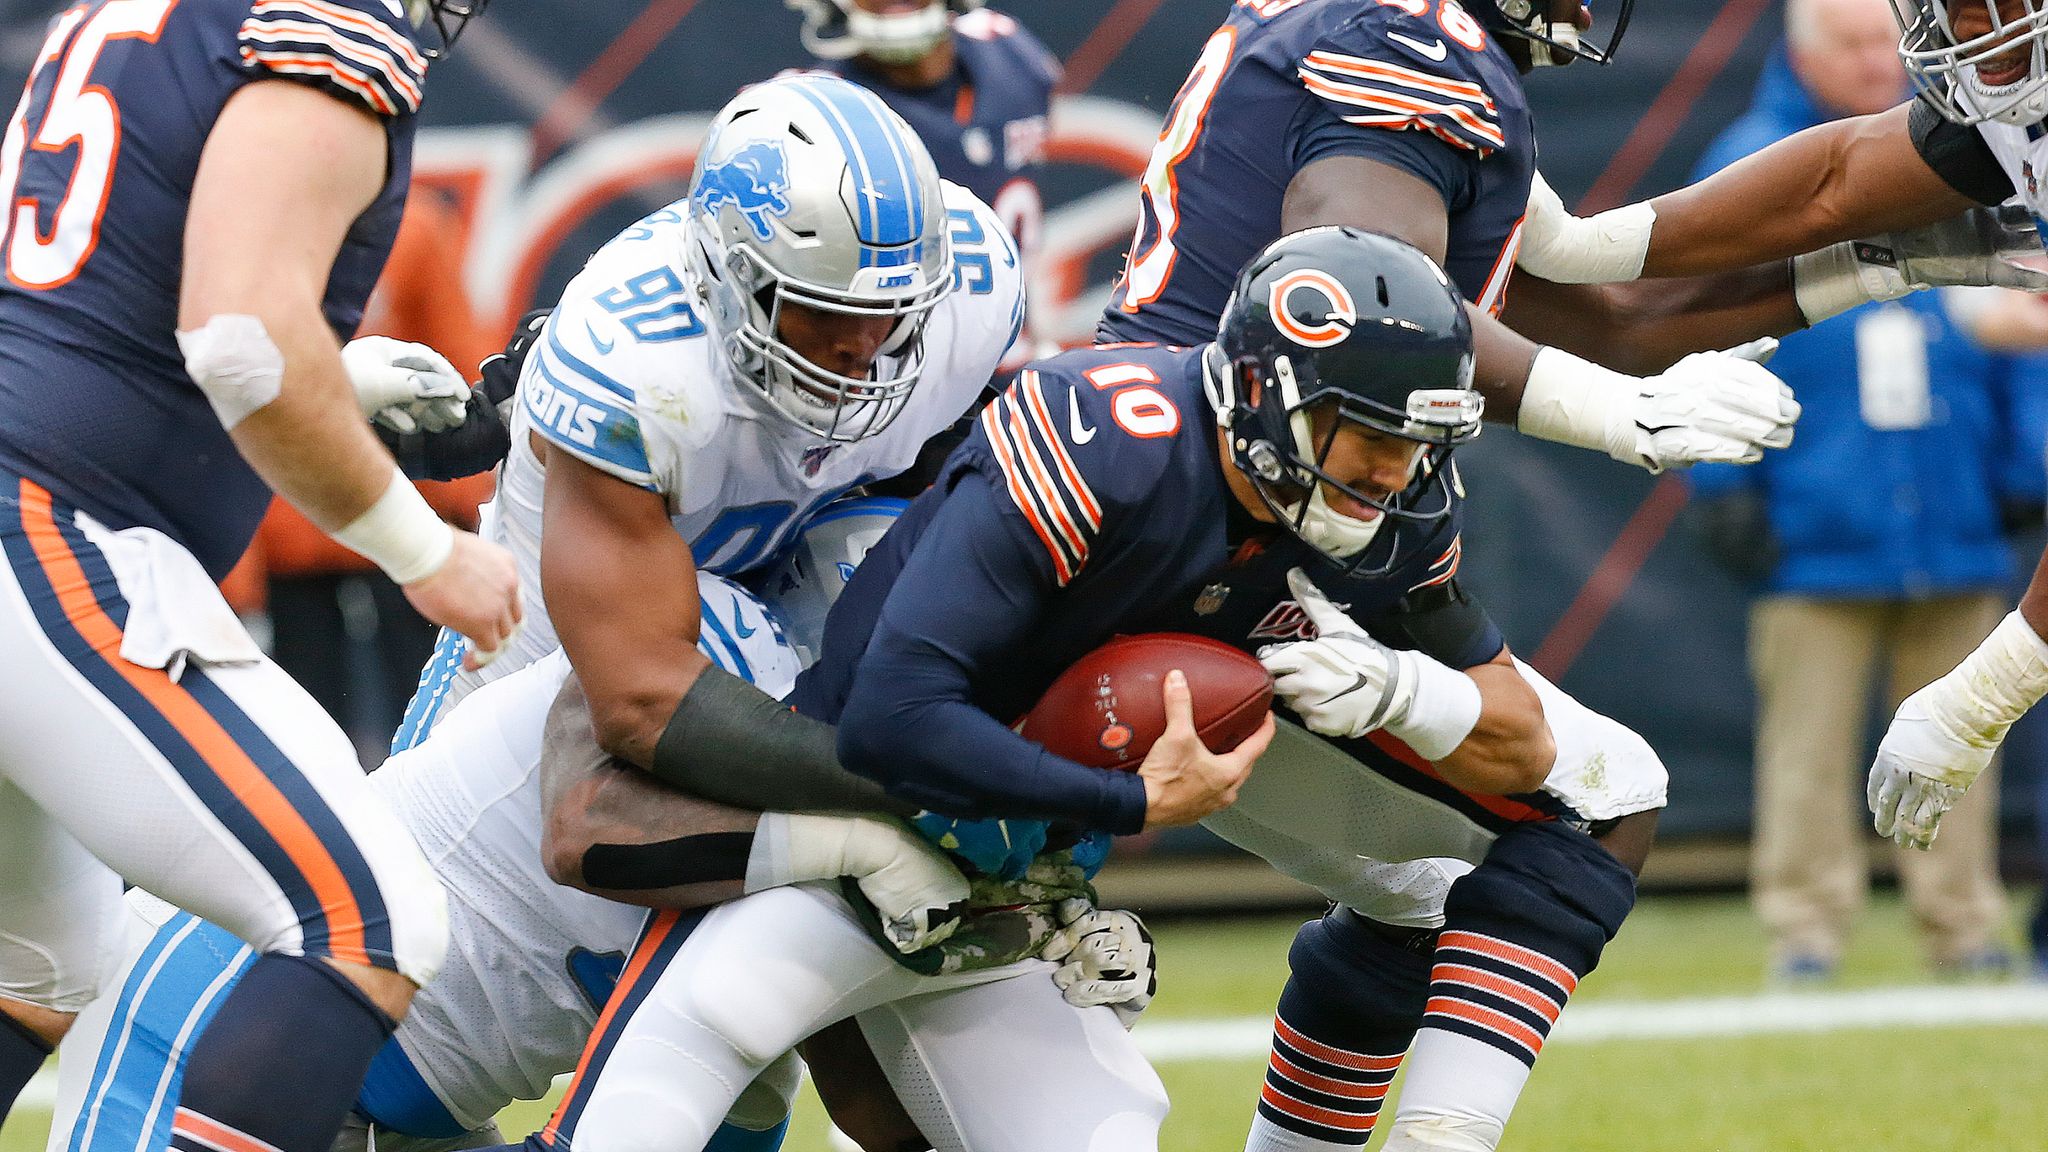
x=256 y=343
x=621 y=588
x=969 y=593
x=1553 y=394
x=1510 y=749
x=614 y=831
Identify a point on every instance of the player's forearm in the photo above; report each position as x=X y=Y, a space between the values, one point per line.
x=1836 y=181
x=945 y=754
x=1511 y=749
x=1646 y=326
x=310 y=443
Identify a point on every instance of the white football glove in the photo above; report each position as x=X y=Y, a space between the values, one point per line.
x=1945 y=734
x=1109 y=959
x=405 y=387
x=1722 y=407
x=1342 y=683
x=919 y=894
x=1920 y=772
x=1345 y=684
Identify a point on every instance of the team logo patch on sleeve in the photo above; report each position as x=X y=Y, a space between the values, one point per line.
x=754 y=180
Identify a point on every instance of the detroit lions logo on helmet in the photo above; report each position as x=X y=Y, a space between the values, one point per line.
x=754 y=180
x=1327 y=311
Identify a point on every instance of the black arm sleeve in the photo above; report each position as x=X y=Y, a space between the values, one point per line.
x=475 y=445
x=1958 y=155
x=730 y=742
x=1442 y=622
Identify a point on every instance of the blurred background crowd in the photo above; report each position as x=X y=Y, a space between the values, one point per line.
x=1756 y=624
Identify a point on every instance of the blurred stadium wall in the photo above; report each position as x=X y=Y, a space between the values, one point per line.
x=558 y=122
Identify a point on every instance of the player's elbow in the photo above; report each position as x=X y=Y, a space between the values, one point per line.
x=863 y=742
x=565 y=838
x=629 y=725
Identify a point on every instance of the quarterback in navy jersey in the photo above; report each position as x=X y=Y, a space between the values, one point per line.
x=1315 y=522
x=200 y=196
x=1408 y=117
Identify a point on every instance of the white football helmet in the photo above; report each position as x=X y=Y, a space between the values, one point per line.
x=809 y=190
x=1945 y=69
x=840 y=30
x=804 y=585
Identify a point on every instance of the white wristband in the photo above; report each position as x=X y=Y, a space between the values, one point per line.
x=1572 y=400
x=1993 y=686
x=400 y=533
x=1568 y=249
x=1443 y=710
x=1832 y=280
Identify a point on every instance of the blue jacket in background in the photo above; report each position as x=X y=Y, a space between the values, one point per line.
x=1859 y=512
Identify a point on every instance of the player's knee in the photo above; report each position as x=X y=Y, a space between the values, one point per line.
x=1355 y=979
x=766 y=1102
x=1548 y=888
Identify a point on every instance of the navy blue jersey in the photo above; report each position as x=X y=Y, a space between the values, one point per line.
x=1089 y=501
x=100 y=157
x=1416 y=84
x=985 y=124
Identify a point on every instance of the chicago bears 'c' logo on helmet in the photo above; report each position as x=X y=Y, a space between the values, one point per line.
x=754 y=180
x=1312 y=308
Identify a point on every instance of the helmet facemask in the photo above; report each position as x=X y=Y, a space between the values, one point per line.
x=449 y=18
x=1549 y=32
x=1946 y=69
x=839 y=30
x=1273 y=425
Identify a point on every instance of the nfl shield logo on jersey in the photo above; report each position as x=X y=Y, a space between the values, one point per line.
x=814 y=458
x=1211 y=599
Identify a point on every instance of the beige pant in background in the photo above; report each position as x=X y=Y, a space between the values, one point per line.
x=1812 y=661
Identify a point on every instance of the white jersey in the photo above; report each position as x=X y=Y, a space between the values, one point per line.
x=628 y=379
x=2025 y=160
x=530 y=961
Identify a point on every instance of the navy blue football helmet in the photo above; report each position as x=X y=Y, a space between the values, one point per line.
x=449 y=18
x=1363 y=325
x=1542 y=33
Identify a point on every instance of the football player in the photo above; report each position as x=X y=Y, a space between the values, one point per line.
x=200 y=197
x=1287 y=488
x=1408 y=117
x=1970 y=139
x=533 y=961
x=974 y=83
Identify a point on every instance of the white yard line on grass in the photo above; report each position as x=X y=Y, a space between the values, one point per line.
x=1779 y=1013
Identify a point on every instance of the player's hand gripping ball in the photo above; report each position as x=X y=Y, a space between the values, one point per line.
x=1106 y=710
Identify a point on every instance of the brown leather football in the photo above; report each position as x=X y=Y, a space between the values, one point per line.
x=1106 y=710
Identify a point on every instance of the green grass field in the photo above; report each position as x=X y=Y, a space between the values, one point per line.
x=1903 y=1090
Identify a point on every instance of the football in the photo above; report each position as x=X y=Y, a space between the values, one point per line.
x=1106 y=710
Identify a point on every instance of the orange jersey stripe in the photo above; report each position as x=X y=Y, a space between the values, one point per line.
x=335 y=14
x=1395 y=73
x=303 y=65
x=1315 y=1115
x=1513 y=953
x=1395 y=102
x=1019 y=495
x=1034 y=396
x=221 y=754
x=658 y=931
x=1042 y=483
x=299 y=32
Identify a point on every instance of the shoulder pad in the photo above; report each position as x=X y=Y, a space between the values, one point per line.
x=574 y=404
x=986 y=262
x=363 y=51
x=1386 y=68
x=991 y=26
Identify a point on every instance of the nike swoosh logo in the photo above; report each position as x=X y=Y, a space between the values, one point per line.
x=739 y=622
x=604 y=347
x=1435 y=49
x=1079 y=434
